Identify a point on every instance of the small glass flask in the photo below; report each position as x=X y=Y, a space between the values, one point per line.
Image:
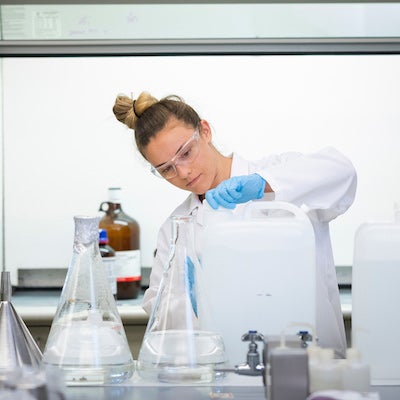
x=177 y=346
x=87 y=339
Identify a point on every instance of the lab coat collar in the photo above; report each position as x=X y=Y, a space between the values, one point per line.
x=240 y=166
x=194 y=204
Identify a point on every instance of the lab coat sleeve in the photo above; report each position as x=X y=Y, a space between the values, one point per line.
x=161 y=257
x=325 y=182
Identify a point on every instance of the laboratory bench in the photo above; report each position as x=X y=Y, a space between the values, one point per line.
x=232 y=387
x=241 y=390
x=37 y=308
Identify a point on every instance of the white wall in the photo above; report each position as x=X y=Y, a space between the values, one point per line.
x=64 y=147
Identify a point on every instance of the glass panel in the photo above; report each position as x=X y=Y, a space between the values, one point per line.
x=200 y=21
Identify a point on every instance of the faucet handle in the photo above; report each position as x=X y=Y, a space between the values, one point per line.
x=305 y=338
x=252 y=336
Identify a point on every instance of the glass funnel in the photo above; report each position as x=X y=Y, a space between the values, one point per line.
x=87 y=339
x=177 y=346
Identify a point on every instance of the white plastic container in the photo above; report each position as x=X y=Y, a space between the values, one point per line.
x=259 y=266
x=376 y=299
x=356 y=374
x=314 y=359
x=327 y=374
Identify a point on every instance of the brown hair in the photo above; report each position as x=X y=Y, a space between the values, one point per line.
x=147 y=116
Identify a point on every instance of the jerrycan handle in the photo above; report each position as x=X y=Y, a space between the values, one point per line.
x=298 y=212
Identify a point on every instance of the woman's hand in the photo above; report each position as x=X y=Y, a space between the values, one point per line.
x=238 y=189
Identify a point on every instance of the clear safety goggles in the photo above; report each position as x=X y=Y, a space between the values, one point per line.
x=185 y=156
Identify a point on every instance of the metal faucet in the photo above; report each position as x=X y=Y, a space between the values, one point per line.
x=254 y=366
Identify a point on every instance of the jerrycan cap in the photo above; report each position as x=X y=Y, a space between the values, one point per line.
x=207 y=207
x=221 y=214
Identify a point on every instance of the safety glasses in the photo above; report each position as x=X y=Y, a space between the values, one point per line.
x=185 y=156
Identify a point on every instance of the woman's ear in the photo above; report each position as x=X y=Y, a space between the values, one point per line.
x=205 y=130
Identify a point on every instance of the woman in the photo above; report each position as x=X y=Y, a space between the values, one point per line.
x=178 y=144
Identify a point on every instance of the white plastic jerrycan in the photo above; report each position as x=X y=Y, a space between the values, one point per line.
x=259 y=267
x=376 y=299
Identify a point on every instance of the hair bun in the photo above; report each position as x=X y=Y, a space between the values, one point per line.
x=123 y=110
x=134 y=109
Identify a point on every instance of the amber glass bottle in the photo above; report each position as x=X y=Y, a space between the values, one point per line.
x=124 y=237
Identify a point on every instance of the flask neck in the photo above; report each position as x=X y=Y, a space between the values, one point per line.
x=5 y=289
x=182 y=232
x=86 y=232
x=179 y=282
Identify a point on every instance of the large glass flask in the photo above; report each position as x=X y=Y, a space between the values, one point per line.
x=18 y=349
x=87 y=339
x=176 y=347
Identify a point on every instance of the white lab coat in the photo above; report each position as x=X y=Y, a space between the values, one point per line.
x=325 y=182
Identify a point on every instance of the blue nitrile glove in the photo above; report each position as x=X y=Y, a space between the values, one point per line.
x=190 y=284
x=239 y=189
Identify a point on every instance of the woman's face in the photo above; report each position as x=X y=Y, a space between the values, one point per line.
x=197 y=175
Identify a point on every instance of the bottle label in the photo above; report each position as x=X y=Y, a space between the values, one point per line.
x=110 y=264
x=127 y=263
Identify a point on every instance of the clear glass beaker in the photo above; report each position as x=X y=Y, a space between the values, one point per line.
x=176 y=347
x=87 y=339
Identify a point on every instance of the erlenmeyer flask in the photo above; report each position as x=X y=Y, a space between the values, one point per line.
x=87 y=339
x=175 y=346
x=18 y=349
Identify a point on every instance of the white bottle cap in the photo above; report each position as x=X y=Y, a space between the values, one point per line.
x=221 y=214
x=353 y=354
x=114 y=195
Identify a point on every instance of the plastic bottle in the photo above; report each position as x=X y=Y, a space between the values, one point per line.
x=356 y=373
x=376 y=297
x=108 y=256
x=314 y=354
x=124 y=237
x=328 y=372
x=289 y=372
